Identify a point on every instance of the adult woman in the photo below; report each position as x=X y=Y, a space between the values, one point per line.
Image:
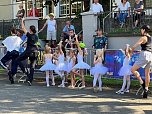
x=138 y=7
x=123 y=11
x=31 y=52
x=145 y=58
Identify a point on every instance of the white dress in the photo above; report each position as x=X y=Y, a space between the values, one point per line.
x=99 y=69
x=81 y=64
x=126 y=68
x=61 y=66
x=48 y=66
x=69 y=65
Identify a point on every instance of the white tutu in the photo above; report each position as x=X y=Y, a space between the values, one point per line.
x=81 y=65
x=47 y=67
x=125 y=70
x=61 y=67
x=99 y=70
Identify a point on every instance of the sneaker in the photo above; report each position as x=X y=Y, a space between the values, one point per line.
x=82 y=87
x=53 y=84
x=62 y=86
x=126 y=91
x=145 y=94
x=120 y=92
x=3 y=65
x=65 y=82
x=95 y=89
x=29 y=83
x=100 y=89
x=10 y=77
x=48 y=86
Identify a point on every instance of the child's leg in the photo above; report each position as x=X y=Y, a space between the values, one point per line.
x=100 y=82
x=128 y=82
x=72 y=79
x=83 y=79
x=124 y=83
x=62 y=77
x=52 y=77
x=95 y=80
x=47 y=78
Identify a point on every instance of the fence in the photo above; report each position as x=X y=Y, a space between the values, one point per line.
x=113 y=61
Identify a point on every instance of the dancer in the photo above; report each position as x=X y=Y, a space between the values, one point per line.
x=61 y=67
x=71 y=64
x=12 y=44
x=145 y=58
x=125 y=71
x=31 y=52
x=81 y=65
x=98 y=70
x=48 y=67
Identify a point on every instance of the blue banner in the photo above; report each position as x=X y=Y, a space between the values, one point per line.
x=114 y=61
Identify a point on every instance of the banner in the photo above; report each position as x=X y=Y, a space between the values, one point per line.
x=114 y=61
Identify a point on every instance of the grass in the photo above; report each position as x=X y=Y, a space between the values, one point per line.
x=110 y=82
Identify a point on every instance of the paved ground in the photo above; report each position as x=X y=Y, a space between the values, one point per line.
x=20 y=98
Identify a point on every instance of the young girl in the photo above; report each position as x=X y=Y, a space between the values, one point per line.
x=98 y=70
x=61 y=66
x=48 y=67
x=81 y=65
x=125 y=71
x=71 y=64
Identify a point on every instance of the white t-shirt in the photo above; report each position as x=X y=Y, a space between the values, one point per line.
x=125 y=7
x=51 y=25
x=97 y=8
x=12 y=43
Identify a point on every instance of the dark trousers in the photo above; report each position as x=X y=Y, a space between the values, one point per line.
x=10 y=56
x=32 y=55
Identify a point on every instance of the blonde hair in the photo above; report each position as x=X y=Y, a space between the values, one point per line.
x=47 y=50
x=99 y=52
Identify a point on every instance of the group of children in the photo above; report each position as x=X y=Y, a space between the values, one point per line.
x=71 y=63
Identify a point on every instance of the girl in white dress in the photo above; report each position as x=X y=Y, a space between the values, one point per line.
x=98 y=70
x=125 y=71
x=81 y=65
x=48 y=67
x=61 y=66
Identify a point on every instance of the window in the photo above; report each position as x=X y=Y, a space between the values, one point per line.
x=76 y=7
x=148 y=3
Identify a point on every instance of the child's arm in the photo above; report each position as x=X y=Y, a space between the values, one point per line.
x=54 y=57
x=127 y=53
x=44 y=59
x=60 y=47
x=77 y=43
x=96 y=60
x=74 y=60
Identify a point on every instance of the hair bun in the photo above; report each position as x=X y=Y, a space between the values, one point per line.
x=146 y=28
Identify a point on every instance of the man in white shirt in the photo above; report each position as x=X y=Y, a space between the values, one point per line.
x=12 y=44
x=96 y=7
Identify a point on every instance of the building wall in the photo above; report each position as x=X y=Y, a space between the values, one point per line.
x=6 y=12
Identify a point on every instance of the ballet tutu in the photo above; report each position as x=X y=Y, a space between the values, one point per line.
x=47 y=67
x=61 y=67
x=99 y=70
x=81 y=65
x=125 y=70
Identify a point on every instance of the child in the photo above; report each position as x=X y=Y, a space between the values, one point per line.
x=98 y=70
x=61 y=66
x=81 y=65
x=71 y=64
x=48 y=67
x=125 y=71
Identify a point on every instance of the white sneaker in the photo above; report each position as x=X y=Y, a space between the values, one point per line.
x=53 y=84
x=82 y=87
x=127 y=91
x=100 y=89
x=48 y=85
x=119 y=92
x=61 y=86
